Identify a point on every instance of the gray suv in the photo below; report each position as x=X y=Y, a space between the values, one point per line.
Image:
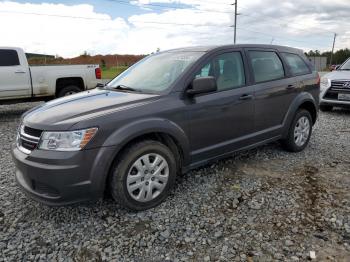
x=169 y=113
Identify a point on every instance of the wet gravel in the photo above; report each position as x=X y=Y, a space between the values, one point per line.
x=260 y=205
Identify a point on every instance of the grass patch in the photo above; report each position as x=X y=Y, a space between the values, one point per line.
x=112 y=72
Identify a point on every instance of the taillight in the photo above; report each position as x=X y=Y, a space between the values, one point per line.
x=318 y=79
x=98 y=73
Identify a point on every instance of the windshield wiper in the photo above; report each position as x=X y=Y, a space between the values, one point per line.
x=345 y=69
x=123 y=88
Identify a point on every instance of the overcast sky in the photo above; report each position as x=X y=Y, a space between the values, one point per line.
x=68 y=28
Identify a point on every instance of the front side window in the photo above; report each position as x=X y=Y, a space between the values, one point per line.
x=266 y=65
x=155 y=73
x=227 y=69
x=296 y=64
x=8 y=57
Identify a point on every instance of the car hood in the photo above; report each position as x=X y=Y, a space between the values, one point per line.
x=62 y=113
x=338 y=75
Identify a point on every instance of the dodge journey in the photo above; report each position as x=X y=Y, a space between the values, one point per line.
x=167 y=114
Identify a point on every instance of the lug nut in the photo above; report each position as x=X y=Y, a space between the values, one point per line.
x=142 y=179
x=147 y=183
x=152 y=172
x=152 y=178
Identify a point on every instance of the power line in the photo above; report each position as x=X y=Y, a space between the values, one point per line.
x=275 y=37
x=193 y=3
x=171 y=23
x=267 y=17
x=162 y=7
x=225 y=26
x=61 y=16
x=151 y=22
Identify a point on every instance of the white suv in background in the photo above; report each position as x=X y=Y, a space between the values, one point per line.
x=335 y=88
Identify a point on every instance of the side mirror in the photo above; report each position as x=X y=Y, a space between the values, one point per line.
x=202 y=85
x=100 y=85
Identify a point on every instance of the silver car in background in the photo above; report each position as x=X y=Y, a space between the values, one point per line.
x=335 y=88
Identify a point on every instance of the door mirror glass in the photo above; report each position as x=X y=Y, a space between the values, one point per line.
x=202 y=85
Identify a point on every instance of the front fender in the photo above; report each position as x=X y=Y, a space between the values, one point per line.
x=127 y=133
x=300 y=99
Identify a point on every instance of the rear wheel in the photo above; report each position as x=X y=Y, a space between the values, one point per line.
x=68 y=90
x=143 y=176
x=326 y=108
x=299 y=132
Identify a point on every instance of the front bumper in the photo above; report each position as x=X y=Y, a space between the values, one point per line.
x=332 y=102
x=61 y=178
x=329 y=97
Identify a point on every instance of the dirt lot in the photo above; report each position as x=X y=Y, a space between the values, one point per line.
x=260 y=205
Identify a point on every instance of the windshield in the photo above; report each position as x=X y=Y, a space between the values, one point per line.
x=345 y=66
x=155 y=73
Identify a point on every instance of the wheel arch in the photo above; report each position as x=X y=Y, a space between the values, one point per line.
x=160 y=130
x=67 y=81
x=302 y=101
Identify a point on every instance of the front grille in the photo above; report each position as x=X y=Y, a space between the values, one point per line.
x=28 y=139
x=32 y=132
x=338 y=86
x=44 y=189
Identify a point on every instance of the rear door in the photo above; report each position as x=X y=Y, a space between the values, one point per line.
x=14 y=77
x=221 y=121
x=274 y=91
x=302 y=72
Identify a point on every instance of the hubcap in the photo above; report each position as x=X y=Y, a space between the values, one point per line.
x=147 y=177
x=302 y=131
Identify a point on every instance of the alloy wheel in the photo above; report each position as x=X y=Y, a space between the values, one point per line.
x=302 y=131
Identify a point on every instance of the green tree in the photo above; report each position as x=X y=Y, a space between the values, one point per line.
x=103 y=64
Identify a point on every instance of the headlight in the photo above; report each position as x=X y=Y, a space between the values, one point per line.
x=66 y=141
x=325 y=83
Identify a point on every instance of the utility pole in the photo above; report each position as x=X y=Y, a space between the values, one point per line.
x=235 y=4
x=330 y=62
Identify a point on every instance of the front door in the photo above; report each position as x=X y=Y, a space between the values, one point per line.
x=14 y=77
x=221 y=121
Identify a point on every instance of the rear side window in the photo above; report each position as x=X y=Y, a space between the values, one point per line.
x=8 y=57
x=296 y=64
x=266 y=65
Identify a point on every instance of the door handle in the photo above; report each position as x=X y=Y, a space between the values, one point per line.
x=246 y=97
x=20 y=72
x=290 y=87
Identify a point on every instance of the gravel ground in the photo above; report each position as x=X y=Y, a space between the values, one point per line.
x=260 y=205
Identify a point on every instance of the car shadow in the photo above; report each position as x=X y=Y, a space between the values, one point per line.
x=340 y=111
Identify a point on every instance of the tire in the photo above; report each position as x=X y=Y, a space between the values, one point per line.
x=292 y=143
x=68 y=90
x=326 y=108
x=130 y=170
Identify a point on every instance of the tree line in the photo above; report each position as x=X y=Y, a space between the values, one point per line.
x=339 y=56
x=105 y=61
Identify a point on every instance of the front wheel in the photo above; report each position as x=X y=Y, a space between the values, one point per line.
x=299 y=132
x=143 y=176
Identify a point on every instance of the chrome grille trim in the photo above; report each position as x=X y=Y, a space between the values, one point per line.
x=32 y=141
x=339 y=84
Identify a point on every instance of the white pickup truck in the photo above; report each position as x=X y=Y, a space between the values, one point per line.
x=20 y=82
